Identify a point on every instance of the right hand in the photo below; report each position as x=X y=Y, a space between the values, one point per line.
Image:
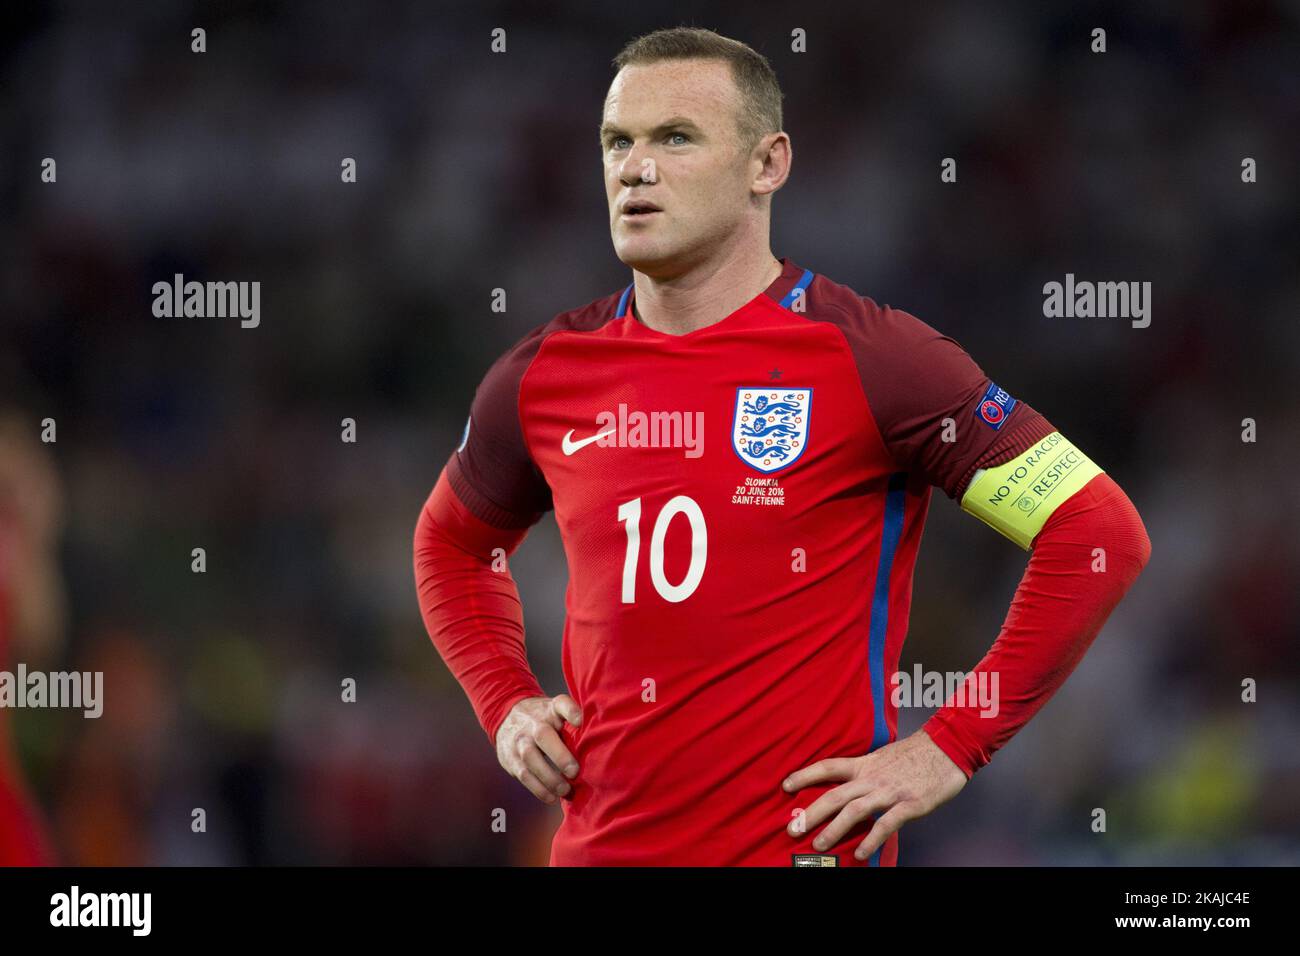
x=531 y=750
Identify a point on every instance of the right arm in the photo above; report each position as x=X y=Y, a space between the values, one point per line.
x=487 y=497
x=471 y=611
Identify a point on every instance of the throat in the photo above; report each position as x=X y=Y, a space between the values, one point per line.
x=695 y=319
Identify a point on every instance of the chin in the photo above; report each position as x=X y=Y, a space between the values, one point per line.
x=641 y=254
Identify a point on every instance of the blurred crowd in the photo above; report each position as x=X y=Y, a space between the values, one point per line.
x=478 y=171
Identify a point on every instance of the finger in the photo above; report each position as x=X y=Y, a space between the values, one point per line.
x=832 y=768
x=886 y=825
x=545 y=771
x=829 y=803
x=567 y=708
x=535 y=787
x=854 y=812
x=552 y=745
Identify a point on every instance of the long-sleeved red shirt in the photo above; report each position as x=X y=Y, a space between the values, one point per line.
x=23 y=837
x=741 y=509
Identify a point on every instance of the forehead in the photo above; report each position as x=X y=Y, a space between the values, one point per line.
x=647 y=92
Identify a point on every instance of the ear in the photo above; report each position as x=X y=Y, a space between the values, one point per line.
x=774 y=155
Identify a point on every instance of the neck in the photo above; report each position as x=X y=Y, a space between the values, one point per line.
x=704 y=294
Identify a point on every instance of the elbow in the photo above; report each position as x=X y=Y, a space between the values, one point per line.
x=424 y=528
x=1104 y=525
x=424 y=544
x=1128 y=533
x=1144 y=550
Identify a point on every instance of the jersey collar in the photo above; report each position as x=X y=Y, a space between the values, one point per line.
x=781 y=291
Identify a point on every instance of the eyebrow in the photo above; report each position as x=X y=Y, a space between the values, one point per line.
x=676 y=122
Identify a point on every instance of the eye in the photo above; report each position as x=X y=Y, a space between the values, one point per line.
x=616 y=140
x=682 y=136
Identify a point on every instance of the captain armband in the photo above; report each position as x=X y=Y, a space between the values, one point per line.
x=1017 y=497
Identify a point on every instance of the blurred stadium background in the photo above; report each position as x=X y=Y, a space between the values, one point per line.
x=479 y=171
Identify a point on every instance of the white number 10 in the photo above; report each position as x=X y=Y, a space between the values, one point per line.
x=630 y=514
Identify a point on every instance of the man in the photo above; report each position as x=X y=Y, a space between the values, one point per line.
x=740 y=454
x=32 y=611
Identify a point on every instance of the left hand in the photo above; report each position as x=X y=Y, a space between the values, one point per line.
x=901 y=781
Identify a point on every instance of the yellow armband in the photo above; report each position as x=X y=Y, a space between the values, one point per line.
x=1016 y=498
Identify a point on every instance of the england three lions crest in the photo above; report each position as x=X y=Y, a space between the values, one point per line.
x=770 y=428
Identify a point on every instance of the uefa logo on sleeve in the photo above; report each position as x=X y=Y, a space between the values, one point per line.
x=994 y=407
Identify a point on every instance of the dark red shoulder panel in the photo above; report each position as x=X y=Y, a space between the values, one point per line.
x=915 y=378
x=492 y=473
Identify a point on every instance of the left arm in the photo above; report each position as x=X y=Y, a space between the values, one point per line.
x=1060 y=606
x=1086 y=557
x=1013 y=471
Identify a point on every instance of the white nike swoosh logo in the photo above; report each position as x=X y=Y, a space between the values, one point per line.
x=570 y=446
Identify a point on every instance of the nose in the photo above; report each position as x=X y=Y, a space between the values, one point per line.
x=632 y=169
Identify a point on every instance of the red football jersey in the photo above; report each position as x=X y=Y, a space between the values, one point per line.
x=23 y=840
x=741 y=508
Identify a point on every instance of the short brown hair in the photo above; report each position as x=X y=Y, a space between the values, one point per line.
x=760 y=93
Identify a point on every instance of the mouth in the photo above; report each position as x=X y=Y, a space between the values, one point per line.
x=639 y=209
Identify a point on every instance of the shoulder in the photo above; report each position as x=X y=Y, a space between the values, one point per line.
x=511 y=365
x=508 y=368
x=887 y=343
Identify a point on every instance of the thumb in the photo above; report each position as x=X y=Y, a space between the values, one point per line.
x=566 y=707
